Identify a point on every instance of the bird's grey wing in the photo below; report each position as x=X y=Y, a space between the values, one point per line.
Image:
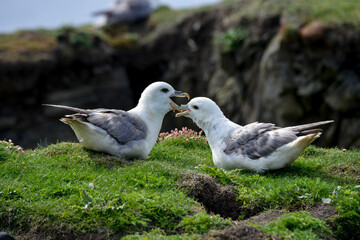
x=257 y=140
x=122 y=126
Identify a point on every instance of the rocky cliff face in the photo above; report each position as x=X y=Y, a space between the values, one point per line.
x=272 y=72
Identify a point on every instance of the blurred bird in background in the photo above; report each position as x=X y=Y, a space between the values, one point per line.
x=125 y=11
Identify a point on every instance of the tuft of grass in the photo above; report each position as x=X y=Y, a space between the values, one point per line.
x=65 y=188
x=201 y=222
x=297 y=226
x=232 y=38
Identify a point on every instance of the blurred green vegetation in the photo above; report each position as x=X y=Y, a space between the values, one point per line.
x=232 y=38
x=32 y=44
x=295 y=12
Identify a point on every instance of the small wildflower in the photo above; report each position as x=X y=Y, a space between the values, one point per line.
x=184 y=134
x=10 y=146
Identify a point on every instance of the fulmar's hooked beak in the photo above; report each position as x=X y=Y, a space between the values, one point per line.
x=180 y=94
x=183 y=111
x=173 y=105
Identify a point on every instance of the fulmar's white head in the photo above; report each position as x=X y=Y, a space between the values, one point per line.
x=157 y=98
x=201 y=110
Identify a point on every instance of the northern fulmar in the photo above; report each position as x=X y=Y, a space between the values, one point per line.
x=257 y=146
x=126 y=134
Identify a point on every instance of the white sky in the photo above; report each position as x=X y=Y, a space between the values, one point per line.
x=23 y=14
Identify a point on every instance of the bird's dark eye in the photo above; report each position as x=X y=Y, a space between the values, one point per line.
x=195 y=107
x=165 y=90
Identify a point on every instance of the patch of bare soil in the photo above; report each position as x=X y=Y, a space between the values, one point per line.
x=324 y=212
x=347 y=171
x=215 y=197
x=242 y=230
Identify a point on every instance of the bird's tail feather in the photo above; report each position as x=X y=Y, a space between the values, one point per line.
x=74 y=109
x=309 y=128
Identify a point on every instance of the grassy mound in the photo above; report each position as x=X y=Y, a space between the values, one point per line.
x=66 y=191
